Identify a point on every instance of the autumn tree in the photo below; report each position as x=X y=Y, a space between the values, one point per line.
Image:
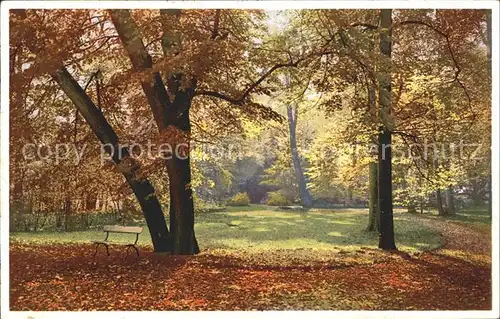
x=171 y=103
x=142 y=188
x=386 y=240
x=292 y=112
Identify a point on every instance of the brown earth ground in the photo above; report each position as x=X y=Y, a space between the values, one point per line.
x=456 y=276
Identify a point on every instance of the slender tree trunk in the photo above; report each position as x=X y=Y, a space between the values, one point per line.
x=476 y=196
x=305 y=196
x=130 y=168
x=439 y=204
x=386 y=234
x=374 y=209
x=373 y=220
x=17 y=204
x=450 y=201
x=350 y=192
x=68 y=225
x=439 y=198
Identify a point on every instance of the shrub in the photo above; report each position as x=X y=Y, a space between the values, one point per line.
x=240 y=199
x=277 y=199
x=202 y=206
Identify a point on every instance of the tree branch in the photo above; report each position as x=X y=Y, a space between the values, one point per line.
x=448 y=44
x=247 y=92
x=364 y=25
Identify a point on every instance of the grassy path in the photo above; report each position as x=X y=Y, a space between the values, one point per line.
x=470 y=242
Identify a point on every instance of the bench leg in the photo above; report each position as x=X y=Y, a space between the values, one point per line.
x=132 y=246
x=136 y=250
x=95 y=253
x=97 y=246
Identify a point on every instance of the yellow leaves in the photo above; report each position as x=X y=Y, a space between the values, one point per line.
x=419 y=84
x=252 y=129
x=439 y=106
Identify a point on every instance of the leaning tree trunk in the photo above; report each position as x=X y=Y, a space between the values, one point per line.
x=172 y=119
x=305 y=196
x=141 y=187
x=130 y=168
x=386 y=234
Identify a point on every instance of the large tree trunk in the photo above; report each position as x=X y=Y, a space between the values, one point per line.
x=172 y=119
x=130 y=168
x=386 y=237
x=179 y=169
x=305 y=196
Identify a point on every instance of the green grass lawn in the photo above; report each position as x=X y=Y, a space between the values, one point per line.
x=260 y=229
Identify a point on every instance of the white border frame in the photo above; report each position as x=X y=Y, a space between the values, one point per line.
x=4 y=153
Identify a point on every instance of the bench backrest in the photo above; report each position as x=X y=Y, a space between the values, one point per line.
x=123 y=229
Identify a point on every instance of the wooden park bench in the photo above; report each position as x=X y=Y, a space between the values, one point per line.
x=123 y=230
x=293 y=208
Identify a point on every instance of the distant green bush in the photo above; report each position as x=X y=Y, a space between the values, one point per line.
x=277 y=199
x=201 y=206
x=240 y=199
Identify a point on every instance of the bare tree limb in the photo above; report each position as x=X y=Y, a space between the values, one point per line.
x=247 y=92
x=448 y=44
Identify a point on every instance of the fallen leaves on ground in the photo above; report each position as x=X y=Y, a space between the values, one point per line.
x=67 y=277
